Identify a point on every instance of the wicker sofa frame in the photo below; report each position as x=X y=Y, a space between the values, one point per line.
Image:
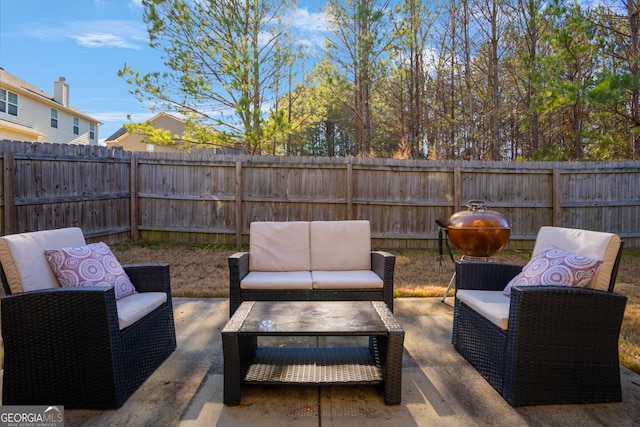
x=382 y=263
x=561 y=344
x=63 y=346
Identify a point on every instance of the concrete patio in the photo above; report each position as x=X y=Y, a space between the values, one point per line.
x=439 y=387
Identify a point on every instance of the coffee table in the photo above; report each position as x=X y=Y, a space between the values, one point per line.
x=246 y=362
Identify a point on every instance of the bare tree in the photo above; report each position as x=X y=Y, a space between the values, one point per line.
x=412 y=36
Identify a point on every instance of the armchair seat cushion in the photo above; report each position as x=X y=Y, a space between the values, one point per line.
x=354 y=279
x=277 y=280
x=134 y=307
x=492 y=305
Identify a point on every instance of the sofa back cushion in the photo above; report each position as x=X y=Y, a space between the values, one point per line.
x=279 y=246
x=23 y=260
x=593 y=244
x=340 y=245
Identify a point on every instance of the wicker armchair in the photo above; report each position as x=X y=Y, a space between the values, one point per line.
x=558 y=344
x=64 y=346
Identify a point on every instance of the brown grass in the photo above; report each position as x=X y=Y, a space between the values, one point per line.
x=202 y=272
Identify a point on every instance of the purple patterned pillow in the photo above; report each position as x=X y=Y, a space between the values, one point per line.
x=89 y=265
x=555 y=267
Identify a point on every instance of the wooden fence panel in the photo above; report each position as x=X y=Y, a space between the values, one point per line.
x=603 y=198
x=298 y=191
x=402 y=203
x=53 y=186
x=524 y=196
x=191 y=198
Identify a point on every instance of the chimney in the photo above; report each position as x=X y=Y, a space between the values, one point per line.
x=61 y=92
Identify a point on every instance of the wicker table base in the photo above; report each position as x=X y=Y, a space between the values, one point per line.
x=246 y=362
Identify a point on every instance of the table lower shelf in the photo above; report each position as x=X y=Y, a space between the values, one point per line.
x=315 y=366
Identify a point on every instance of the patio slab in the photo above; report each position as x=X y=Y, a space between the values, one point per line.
x=439 y=387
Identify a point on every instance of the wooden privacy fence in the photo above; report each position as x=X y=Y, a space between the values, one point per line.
x=203 y=198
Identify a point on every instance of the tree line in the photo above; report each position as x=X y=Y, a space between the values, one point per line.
x=461 y=79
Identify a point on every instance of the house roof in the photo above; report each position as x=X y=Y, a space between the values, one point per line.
x=15 y=84
x=123 y=132
x=22 y=129
x=117 y=134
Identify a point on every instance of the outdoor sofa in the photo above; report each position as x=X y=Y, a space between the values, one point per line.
x=309 y=261
x=79 y=346
x=545 y=344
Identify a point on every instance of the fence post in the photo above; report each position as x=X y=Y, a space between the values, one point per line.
x=556 y=195
x=133 y=188
x=9 y=193
x=238 y=203
x=349 y=190
x=457 y=189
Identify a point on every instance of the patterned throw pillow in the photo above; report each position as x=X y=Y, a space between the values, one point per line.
x=89 y=265
x=555 y=267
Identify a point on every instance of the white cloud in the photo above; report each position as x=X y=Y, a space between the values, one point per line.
x=103 y=40
x=307 y=21
x=122 y=34
x=310 y=28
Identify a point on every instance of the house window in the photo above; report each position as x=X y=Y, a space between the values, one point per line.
x=8 y=102
x=76 y=126
x=13 y=104
x=92 y=131
x=54 y=118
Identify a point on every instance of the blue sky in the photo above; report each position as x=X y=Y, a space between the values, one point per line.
x=87 y=42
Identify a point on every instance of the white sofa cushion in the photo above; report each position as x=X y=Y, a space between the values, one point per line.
x=23 y=260
x=279 y=246
x=340 y=245
x=277 y=280
x=593 y=244
x=134 y=307
x=352 y=279
x=492 y=305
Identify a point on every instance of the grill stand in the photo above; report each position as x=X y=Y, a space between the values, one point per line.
x=443 y=235
x=464 y=258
